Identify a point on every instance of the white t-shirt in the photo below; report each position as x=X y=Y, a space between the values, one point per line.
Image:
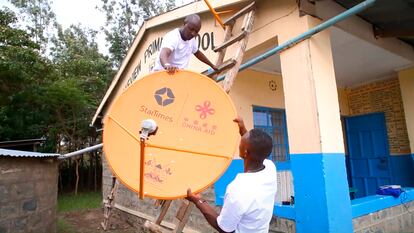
x=181 y=50
x=249 y=201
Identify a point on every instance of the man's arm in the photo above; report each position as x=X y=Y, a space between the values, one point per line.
x=164 y=55
x=209 y=213
x=204 y=59
x=242 y=127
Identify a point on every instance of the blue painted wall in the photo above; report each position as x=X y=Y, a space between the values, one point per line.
x=319 y=207
x=374 y=203
x=322 y=202
x=402 y=170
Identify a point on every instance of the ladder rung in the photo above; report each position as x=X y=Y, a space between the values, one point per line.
x=181 y=211
x=226 y=65
x=226 y=44
x=243 y=11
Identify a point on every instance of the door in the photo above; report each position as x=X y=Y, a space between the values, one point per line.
x=368 y=153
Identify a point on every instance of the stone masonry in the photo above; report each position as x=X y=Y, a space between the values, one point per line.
x=28 y=194
x=397 y=219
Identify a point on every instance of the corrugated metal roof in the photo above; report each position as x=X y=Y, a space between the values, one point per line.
x=20 y=153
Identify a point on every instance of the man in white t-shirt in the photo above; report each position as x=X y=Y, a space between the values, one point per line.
x=178 y=45
x=249 y=199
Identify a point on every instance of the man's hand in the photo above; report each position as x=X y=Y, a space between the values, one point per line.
x=191 y=197
x=242 y=127
x=170 y=69
x=209 y=213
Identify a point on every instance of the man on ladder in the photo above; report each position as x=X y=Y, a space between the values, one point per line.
x=178 y=45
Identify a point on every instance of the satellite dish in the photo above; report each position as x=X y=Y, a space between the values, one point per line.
x=195 y=141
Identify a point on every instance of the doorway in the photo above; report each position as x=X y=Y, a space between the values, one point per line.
x=368 y=153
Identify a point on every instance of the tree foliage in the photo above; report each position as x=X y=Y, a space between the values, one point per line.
x=23 y=76
x=123 y=18
x=38 y=18
x=55 y=96
x=83 y=75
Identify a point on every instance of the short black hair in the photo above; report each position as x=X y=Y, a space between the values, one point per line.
x=260 y=144
x=192 y=17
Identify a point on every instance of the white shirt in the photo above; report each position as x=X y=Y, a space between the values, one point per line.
x=181 y=50
x=249 y=201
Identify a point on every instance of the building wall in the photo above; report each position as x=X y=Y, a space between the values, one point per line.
x=406 y=79
x=256 y=88
x=383 y=96
x=343 y=101
x=396 y=219
x=28 y=194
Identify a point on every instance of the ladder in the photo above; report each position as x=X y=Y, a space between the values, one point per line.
x=182 y=216
x=109 y=204
x=232 y=65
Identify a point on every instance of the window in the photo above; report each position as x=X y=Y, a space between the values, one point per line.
x=273 y=122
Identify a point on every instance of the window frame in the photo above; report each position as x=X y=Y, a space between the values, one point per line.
x=281 y=165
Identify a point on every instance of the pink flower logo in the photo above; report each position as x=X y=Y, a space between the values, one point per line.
x=205 y=109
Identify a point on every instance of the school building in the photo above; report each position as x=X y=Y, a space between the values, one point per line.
x=339 y=107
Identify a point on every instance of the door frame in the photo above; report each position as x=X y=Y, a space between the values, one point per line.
x=347 y=149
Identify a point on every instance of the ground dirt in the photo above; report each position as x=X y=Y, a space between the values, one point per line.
x=89 y=221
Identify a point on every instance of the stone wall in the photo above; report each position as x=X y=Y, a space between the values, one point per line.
x=396 y=219
x=28 y=194
x=279 y=225
x=383 y=96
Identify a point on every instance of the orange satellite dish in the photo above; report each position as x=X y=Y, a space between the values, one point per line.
x=195 y=141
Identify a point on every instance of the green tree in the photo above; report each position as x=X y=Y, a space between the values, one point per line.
x=123 y=18
x=23 y=75
x=83 y=77
x=39 y=19
x=52 y=96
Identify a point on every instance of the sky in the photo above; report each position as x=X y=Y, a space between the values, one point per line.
x=82 y=12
